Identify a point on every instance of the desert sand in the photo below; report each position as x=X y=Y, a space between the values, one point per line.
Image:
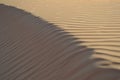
x=68 y=40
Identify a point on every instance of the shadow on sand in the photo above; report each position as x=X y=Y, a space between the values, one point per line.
x=34 y=49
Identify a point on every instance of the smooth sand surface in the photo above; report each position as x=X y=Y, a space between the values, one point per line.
x=95 y=23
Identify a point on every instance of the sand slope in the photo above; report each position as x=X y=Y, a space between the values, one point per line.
x=96 y=22
x=33 y=49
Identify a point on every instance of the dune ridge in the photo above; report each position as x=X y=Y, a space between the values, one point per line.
x=33 y=49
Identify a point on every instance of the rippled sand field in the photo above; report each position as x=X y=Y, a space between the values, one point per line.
x=95 y=23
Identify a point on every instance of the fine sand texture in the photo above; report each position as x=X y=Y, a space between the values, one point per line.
x=96 y=22
x=34 y=49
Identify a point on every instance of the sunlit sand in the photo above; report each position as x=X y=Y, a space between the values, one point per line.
x=94 y=22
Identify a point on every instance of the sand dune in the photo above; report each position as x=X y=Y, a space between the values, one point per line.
x=33 y=49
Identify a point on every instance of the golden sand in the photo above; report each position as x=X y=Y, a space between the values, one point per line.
x=96 y=23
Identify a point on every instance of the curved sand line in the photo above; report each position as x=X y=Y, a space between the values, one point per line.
x=33 y=49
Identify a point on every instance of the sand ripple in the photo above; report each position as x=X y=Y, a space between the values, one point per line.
x=33 y=49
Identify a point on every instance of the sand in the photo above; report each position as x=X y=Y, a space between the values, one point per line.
x=90 y=52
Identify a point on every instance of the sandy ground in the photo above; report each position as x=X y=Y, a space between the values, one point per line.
x=94 y=22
